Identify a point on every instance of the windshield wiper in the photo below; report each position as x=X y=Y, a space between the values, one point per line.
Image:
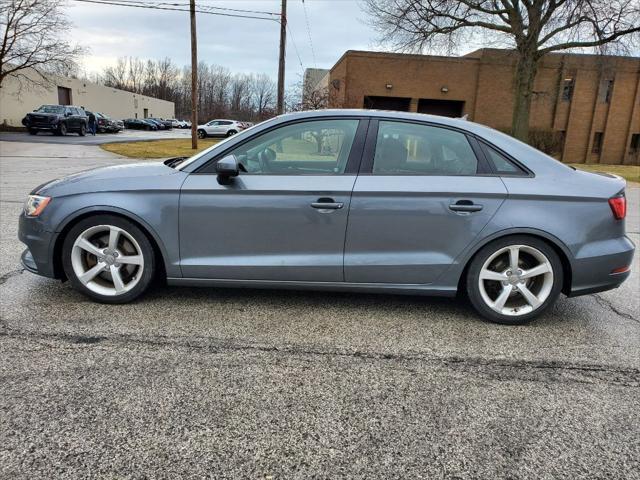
x=174 y=162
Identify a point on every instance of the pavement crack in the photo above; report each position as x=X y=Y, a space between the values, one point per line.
x=494 y=368
x=10 y=274
x=604 y=303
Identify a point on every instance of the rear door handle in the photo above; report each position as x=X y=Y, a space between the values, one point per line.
x=327 y=205
x=465 y=206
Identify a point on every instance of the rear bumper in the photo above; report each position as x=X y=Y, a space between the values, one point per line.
x=593 y=273
x=37 y=258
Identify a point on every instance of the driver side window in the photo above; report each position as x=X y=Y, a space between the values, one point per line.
x=414 y=149
x=318 y=147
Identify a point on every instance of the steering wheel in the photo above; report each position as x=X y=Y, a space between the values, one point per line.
x=265 y=157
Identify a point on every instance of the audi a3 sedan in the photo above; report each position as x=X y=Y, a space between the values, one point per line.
x=341 y=200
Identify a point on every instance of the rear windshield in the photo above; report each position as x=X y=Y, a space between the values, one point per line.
x=51 y=109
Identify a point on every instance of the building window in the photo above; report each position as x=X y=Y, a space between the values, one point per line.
x=606 y=90
x=597 y=142
x=567 y=89
x=635 y=143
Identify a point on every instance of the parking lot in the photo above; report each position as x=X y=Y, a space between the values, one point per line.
x=267 y=384
x=126 y=135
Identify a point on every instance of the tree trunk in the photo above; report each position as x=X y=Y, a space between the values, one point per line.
x=526 y=69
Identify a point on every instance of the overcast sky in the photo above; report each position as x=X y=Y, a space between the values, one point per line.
x=242 y=45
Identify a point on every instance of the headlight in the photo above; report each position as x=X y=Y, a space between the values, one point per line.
x=35 y=204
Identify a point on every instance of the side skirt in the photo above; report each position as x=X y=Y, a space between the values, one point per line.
x=406 y=289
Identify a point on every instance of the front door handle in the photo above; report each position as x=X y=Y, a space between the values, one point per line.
x=465 y=206
x=327 y=204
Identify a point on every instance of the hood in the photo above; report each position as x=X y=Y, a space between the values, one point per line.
x=43 y=114
x=138 y=176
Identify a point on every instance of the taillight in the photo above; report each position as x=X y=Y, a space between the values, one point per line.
x=618 y=206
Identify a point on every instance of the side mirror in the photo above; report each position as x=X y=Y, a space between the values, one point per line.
x=226 y=168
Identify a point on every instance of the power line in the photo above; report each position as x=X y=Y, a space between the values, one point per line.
x=169 y=7
x=306 y=18
x=295 y=47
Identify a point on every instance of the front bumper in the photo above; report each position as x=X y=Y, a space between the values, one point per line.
x=38 y=257
x=593 y=273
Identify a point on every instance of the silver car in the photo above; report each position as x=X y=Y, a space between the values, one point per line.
x=341 y=200
x=220 y=128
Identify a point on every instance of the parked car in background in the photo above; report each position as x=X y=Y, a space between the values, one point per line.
x=159 y=125
x=138 y=124
x=107 y=124
x=220 y=128
x=175 y=123
x=185 y=124
x=59 y=119
x=354 y=200
x=166 y=124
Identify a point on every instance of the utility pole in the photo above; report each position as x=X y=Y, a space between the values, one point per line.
x=194 y=77
x=283 y=43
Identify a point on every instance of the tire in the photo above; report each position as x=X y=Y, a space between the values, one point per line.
x=83 y=130
x=62 y=129
x=33 y=131
x=514 y=297
x=231 y=133
x=202 y=134
x=98 y=262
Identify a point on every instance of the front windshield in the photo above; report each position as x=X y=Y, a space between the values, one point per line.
x=51 y=109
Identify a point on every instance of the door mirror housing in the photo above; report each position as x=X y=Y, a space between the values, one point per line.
x=226 y=168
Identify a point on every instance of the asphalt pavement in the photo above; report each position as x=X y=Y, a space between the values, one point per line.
x=127 y=135
x=241 y=383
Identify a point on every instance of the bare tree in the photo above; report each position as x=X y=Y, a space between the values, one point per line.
x=263 y=90
x=533 y=27
x=33 y=33
x=116 y=76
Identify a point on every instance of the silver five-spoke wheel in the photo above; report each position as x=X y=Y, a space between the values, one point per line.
x=516 y=280
x=107 y=260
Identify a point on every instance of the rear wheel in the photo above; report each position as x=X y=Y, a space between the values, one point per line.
x=231 y=132
x=108 y=259
x=202 y=134
x=514 y=280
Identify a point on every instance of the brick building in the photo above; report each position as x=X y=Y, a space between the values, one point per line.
x=587 y=107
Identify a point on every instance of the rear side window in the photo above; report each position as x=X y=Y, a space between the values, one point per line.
x=500 y=163
x=414 y=149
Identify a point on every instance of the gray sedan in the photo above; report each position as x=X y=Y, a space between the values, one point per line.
x=341 y=200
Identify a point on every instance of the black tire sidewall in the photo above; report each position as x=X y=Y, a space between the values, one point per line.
x=473 y=290
x=62 y=130
x=133 y=230
x=202 y=134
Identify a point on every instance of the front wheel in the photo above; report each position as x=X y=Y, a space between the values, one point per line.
x=83 y=130
x=108 y=258
x=514 y=280
x=62 y=129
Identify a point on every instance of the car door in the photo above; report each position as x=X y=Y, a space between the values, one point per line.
x=213 y=128
x=284 y=217
x=421 y=198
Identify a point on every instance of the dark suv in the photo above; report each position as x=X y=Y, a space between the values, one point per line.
x=58 y=119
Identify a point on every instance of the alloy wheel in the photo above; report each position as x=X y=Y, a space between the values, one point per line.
x=107 y=260
x=516 y=280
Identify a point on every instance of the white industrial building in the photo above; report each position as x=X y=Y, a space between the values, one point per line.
x=19 y=97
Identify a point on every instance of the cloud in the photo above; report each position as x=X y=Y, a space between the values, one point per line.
x=241 y=45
